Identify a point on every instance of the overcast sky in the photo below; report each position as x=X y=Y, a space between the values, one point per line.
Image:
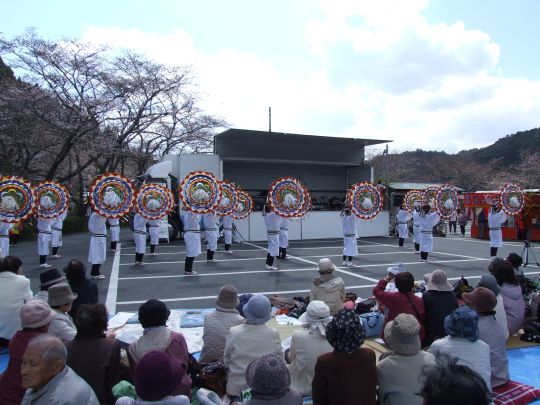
x=439 y=75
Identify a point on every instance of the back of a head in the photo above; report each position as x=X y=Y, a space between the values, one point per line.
x=153 y=313
x=75 y=271
x=404 y=282
x=91 y=321
x=503 y=271
x=268 y=375
x=11 y=264
x=449 y=383
x=515 y=259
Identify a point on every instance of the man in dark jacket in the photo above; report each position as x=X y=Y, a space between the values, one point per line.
x=87 y=291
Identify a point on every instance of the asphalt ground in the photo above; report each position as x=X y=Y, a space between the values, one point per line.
x=162 y=277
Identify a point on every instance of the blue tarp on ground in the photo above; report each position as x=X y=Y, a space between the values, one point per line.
x=524 y=365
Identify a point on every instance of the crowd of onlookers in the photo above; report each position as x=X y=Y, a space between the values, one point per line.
x=442 y=348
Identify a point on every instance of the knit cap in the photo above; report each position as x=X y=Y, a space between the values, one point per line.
x=490 y=282
x=462 y=323
x=35 y=314
x=268 y=375
x=402 y=334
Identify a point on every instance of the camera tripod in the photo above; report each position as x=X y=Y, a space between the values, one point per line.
x=525 y=253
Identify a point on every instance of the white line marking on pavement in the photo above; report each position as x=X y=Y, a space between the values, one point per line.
x=221 y=273
x=112 y=291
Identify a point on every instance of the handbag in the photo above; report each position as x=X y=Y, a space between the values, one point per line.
x=213 y=376
x=373 y=323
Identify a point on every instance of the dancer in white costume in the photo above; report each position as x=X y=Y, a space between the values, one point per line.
x=496 y=218
x=44 y=232
x=56 y=226
x=114 y=229
x=211 y=230
x=283 y=238
x=153 y=231
x=272 y=222
x=97 y=252
x=228 y=224
x=139 y=236
x=427 y=222
x=349 y=222
x=403 y=217
x=4 y=238
x=417 y=234
x=192 y=238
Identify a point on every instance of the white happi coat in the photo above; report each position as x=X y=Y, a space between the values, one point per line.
x=56 y=227
x=98 y=239
x=139 y=233
x=211 y=229
x=284 y=233
x=427 y=222
x=495 y=221
x=192 y=234
x=4 y=238
x=272 y=222
x=153 y=231
x=228 y=223
x=44 y=235
x=416 y=227
x=350 y=245
x=114 y=229
x=403 y=217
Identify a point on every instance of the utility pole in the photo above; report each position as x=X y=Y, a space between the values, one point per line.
x=269 y=119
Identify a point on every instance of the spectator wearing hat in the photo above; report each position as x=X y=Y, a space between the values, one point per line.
x=156 y=379
x=60 y=299
x=347 y=375
x=86 y=290
x=91 y=355
x=393 y=270
x=47 y=378
x=217 y=324
x=483 y=301
x=514 y=304
x=249 y=341
x=269 y=381
x=35 y=317
x=153 y=315
x=439 y=301
x=463 y=344
x=47 y=279
x=307 y=345
x=404 y=301
x=450 y=383
x=15 y=291
x=490 y=282
x=327 y=287
x=399 y=372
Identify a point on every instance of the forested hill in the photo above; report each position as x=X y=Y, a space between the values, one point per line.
x=512 y=158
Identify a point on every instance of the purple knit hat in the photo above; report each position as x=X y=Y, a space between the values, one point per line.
x=156 y=377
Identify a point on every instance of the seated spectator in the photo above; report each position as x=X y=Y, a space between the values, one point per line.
x=48 y=278
x=248 y=342
x=327 y=287
x=218 y=323
x=269 y=381
x=47 y=378
x=404 y=301
x=308 y=345
x=399 y=372
x=452 y=384
x=86 y=290
x=393 y=270
x=516 y=261
x=153 y=315
x=91 y=355
x=483 y=301
x=462 y=343
x=439 y=301
x=347 y=375
x=514 y=304
x=60 y=299
x=15 y=291
x=488 y=281
x=35 y=319
x=156 y=379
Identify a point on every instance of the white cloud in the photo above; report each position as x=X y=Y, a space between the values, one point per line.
x=383 y=72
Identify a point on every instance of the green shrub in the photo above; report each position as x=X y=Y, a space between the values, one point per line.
x=74 y=224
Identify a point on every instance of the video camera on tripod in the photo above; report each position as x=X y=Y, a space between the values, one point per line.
x=527 y=249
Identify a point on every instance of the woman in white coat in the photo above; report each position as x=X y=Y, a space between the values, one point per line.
x=349 y=222
x=272 y=222
x=56 y=226
x=427 y=221
x=496 y=218
x=114 y=232
x=192 y=238
x=403 y=217
x=98 y=244
x=139 y=236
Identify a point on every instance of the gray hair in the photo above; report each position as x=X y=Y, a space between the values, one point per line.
x=52 y=347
